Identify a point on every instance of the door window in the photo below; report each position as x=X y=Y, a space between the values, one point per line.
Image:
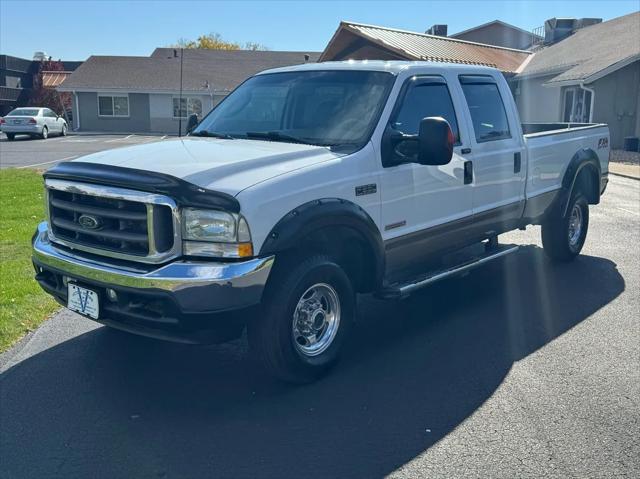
x=424 y=100
x=486 y=107
x=577 y=105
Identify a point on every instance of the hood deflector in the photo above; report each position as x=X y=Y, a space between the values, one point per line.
x=182 y=192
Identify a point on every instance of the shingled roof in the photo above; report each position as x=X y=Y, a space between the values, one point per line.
x=203 y=70
x=589 y=53
x=406 y=45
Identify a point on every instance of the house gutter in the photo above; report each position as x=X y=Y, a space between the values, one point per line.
x=75 y=97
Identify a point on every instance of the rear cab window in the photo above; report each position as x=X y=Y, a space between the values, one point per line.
x=24 y=112
x=486 y=108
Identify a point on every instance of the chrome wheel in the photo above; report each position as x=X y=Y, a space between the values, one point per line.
x=316 y=319
x=575 y=225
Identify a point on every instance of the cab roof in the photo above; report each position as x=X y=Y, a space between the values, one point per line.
x=392 y=66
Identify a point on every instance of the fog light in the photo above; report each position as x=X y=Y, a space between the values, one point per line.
x=112 y=295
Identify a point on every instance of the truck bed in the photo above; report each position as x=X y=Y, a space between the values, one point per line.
x=539 y=129
x=551 y=146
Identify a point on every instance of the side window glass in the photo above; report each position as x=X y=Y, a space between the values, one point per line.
x=421 y=101
x=486 y=108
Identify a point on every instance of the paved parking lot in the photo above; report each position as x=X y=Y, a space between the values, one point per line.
x=521 y=369
x=25 y=152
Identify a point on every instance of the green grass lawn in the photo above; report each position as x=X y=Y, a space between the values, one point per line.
x=23 y=305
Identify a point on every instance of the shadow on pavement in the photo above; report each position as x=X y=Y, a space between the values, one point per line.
x=105 y=404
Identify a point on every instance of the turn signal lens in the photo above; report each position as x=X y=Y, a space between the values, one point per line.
x=245 y=250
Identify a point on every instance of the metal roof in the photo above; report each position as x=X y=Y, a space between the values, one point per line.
x=51 y=79
x=420 y=46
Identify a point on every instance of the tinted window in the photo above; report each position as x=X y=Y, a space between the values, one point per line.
x=24 y=112
x=421 y=101
x=487 y=111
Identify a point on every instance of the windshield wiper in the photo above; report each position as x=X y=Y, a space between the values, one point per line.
x=276 y=136
x=213 y=134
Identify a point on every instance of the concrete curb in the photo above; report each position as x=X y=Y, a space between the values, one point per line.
x=624 y=176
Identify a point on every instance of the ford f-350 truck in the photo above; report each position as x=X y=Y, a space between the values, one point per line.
x=302 y=188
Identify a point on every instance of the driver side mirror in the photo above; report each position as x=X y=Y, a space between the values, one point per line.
x=435 y=141
x=192 y=122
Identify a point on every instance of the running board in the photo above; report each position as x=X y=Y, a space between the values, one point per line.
x=401 y=290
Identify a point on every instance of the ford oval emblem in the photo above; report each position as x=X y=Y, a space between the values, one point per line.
x=89 y=222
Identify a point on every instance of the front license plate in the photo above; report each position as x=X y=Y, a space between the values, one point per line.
x=83 y=300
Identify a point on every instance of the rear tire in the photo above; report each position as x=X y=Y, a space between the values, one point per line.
x=11 y=136
x=45 y=133
x=308 y=309
x=563 y=236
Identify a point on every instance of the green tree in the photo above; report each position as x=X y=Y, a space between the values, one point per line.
x=214 y=41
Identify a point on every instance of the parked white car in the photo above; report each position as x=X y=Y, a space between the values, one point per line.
x=33 y=121
x=303 y=187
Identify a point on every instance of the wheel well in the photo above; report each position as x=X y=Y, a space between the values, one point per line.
x=587 y=182
x=348 y=248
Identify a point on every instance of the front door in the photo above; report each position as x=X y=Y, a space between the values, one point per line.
x=420 y=203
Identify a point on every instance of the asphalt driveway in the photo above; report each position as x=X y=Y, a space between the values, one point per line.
x=26 y=152
x=520 y=369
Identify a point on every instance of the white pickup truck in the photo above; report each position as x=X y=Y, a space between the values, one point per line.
x=305 y=186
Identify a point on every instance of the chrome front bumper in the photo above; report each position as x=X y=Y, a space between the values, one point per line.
x=196 y=286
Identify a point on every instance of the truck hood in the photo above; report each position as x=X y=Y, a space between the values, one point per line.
x=229 y=166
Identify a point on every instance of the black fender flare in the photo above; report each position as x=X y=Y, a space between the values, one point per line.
x=326 y=213
x=584 y=158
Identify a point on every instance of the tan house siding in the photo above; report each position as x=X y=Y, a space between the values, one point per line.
x=496 y=34
x=616 y=102
x=537 y=103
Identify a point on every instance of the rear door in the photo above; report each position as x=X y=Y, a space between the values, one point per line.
x=497 y=151
x=51 y=120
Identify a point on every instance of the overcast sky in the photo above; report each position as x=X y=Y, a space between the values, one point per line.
x=74 y=30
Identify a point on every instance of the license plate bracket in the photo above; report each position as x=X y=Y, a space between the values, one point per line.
x=82 y=300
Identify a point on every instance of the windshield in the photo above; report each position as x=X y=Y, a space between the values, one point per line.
x=329 y=108
x=24 y=112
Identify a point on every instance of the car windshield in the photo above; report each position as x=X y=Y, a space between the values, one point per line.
x=24 y=112
x=329 y=108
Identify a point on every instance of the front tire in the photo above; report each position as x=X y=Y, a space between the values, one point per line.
x=11 y=136
x=563 y=236
x=308 y=310
x=64 y=130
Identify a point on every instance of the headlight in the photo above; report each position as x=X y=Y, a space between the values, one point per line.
x=215 y=233
x=208 y=225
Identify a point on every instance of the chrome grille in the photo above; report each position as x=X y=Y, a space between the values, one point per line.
x=116 y=222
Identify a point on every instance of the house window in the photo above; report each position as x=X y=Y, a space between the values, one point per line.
x=184 y=107
x=113 y=105
x=577 y=105
x=13 y=82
